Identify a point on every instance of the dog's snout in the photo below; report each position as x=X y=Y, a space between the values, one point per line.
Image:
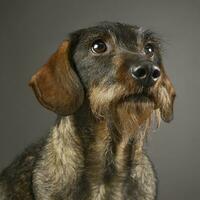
x=146 y=74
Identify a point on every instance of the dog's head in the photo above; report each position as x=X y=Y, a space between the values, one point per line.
x=117 y=67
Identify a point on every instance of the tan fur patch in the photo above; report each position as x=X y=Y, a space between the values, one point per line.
x=101 y=97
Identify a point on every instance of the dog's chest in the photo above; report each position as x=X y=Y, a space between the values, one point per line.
x=108 y=168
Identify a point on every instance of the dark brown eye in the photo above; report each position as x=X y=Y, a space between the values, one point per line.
x=99 y=46
x=149 y=50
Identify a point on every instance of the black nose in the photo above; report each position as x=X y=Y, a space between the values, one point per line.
x=147 y=75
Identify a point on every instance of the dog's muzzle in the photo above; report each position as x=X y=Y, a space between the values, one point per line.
x=146 y=74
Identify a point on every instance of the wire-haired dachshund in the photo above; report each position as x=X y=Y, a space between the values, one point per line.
x=107 y=84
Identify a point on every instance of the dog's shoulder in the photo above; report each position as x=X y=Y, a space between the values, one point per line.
x=16 y=179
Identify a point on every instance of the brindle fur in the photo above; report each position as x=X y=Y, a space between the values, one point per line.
x=95 y=150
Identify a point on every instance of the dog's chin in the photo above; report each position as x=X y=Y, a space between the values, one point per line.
x=136 y=107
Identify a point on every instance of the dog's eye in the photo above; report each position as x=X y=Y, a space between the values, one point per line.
x=99 y=46
x=149 y=50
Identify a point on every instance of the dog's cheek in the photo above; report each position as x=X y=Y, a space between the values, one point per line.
x=167 y=114
x=91 y=69
x=167 y=96
x=102 y=96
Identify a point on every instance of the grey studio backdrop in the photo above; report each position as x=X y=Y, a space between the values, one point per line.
x=30 y=32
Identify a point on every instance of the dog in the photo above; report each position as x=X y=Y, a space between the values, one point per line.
x=107 y=84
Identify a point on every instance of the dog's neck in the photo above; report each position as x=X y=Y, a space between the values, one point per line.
x=93 y=130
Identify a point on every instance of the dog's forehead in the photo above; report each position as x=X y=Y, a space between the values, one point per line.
x=121 y=32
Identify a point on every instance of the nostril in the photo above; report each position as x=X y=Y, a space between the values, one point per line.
x=139 y=72
x=156 y=73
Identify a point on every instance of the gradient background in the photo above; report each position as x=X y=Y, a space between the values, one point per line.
x=31 y=31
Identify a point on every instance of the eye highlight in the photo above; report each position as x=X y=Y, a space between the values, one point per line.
x=149 y=49
x=99 y=46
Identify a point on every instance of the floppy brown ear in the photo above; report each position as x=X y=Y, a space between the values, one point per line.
x=168 y=96
x=56 y=85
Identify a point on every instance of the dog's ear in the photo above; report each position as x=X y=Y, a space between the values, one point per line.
x=168 y=96
x=56 y=85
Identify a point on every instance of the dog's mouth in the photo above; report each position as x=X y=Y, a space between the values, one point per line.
x=143 y=97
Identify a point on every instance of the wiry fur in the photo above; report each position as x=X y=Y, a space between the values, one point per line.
x=95 y=150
